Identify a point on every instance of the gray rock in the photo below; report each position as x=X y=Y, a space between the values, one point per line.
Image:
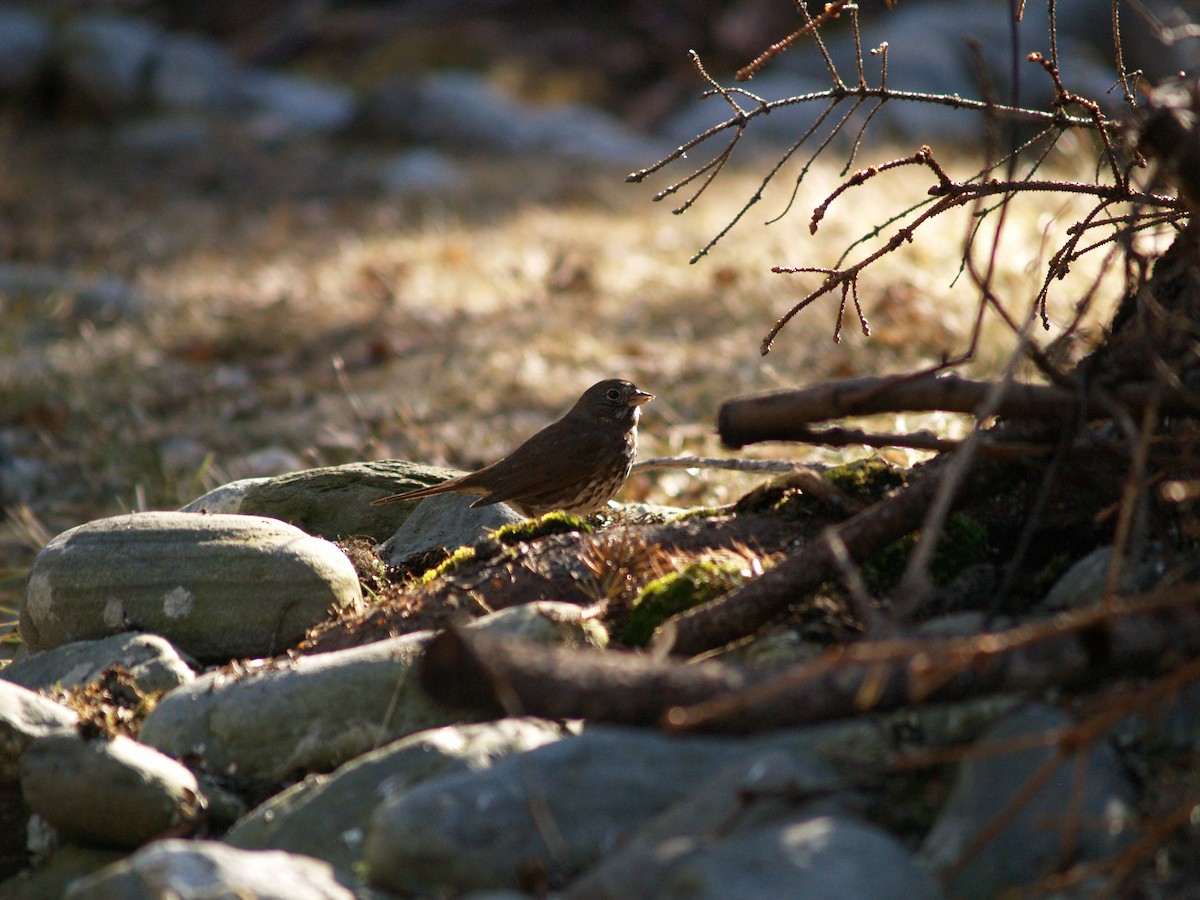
x=421 y=171
x=25 y=43
x=176 y=868
x=313 y=713
x=1175 y=721
x=163 y=137
x=193 y=73
x=284 y=105
x=21 y=479
x=763 y=788
x=331 y=502
x=572 y=131
x=446 y=521
x=452 y=107
x=108 y=792
x=476 y=831
x=460 y=109
x=781 y=127
x=954 y=70
x=909 y=31
x=53 y=875
x=1083 y=583
x=1142 y=47
x=99 y=302
x=107 y=60
x=154 y=664
x=185 y=456
x=825 y=856
x=1027 y=848
x=264 y=463
x=26 y=716
x=326 y=816
x=219 y=587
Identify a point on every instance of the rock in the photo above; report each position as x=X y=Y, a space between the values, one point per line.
x=163 y=137
x=747 y=795
x=284 y=105
x=108 y=792
x=331 y=502
x=1028 y=846
x=218 y=587
x=573 y=131
x=107 y=60
x=26 y=716
x=21 y=479
x=479 y=831
x=25 y=42
x=1083 y=583
x=446 y=521
x=264 y=463
x=826 y=856
x=313 y=713
x=99 y=302
x=955 y=70
x=193 y=73
x=53 y=876
x=185 y=456
x=421 y=171
x=177 y=868
x=775 y=649
x=326 y=816
x=782 y=127
x=1142 y=45
x=461 y=109
x=154 y=664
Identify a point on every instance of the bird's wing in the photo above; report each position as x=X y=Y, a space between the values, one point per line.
x=545 y=466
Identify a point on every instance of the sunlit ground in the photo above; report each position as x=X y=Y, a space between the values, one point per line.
x=290 y=304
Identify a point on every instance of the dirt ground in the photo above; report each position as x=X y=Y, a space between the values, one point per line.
x=288 y=304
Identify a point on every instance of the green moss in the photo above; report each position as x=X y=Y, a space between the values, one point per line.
x=863 y=481
x=529 y=529
x=779 y=495
x=866 y=479
x=698 y=582
x=963 y=542
x=456 y=560
x=701 y=512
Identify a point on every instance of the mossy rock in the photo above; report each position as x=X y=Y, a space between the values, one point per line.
x=532 y=529
x=698 y=582
x=332 y=502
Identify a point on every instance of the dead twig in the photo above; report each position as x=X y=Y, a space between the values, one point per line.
x=1137 y=635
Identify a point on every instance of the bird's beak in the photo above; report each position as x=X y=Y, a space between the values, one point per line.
x=640 y=397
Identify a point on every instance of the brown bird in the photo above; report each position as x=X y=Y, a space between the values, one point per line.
x=576 y=464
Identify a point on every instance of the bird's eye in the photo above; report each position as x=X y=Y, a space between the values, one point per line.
x=613 y=395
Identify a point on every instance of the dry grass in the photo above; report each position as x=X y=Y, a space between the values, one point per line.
x=292 y=305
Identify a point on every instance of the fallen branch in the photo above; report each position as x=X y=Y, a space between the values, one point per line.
x=747 y=609
x=786 y=415
x=1139 y=635
x=771 y=466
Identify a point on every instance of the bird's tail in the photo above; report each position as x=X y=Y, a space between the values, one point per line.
x=419 y=492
